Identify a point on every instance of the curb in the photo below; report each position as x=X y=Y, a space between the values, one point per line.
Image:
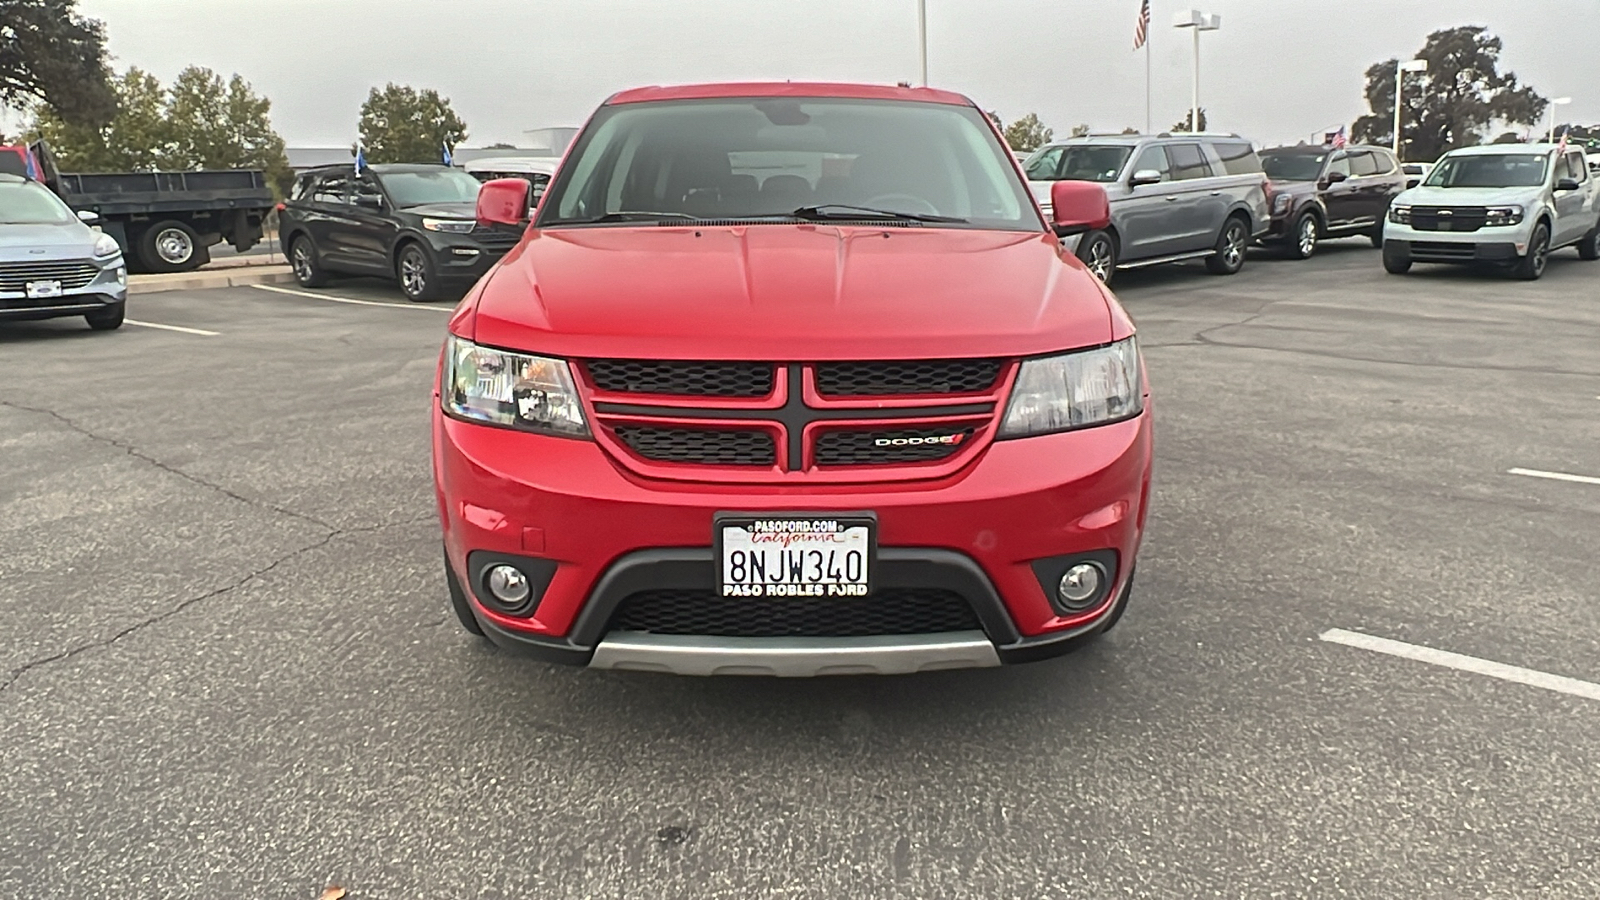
x=200 y=281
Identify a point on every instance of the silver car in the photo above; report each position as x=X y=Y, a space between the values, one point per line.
x=52 y=263
x=1173 y=197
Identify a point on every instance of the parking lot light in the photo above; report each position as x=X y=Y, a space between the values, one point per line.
x=1199 y=21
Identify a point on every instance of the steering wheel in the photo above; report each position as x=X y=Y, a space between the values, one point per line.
x=903 y=203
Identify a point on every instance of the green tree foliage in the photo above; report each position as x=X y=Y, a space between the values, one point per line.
x=49 y=54
x=1185 y=124
x=201 y=122
x=1454 y=102
x=400 y=124
x=1080 y=131
x=1028 y=134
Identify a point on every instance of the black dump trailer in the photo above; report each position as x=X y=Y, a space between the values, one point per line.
x=167 y=221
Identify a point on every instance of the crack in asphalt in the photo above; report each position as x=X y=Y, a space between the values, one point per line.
x=16 y=673
x=140 y=455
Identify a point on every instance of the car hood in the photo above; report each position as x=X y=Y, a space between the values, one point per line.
x=38 y=243
x=1462 y=196
x=444 y=210
x=790 y=292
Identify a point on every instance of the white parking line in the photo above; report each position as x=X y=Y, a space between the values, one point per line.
x=179 y=328
x=332 y=298
x=1558 y=683
x=1554 y=476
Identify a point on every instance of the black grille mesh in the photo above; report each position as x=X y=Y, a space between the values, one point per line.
x=890 y=611
x=689 y=379
x=861 y=448
x=728 y=447
x=926 y=376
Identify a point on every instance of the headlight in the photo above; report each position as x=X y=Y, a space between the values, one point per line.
x=1075 y=390
x=450 y=226
x=1400 y=215
x=1283 y=202
x=515 y=390
x=1504 y=215
x=106 y=246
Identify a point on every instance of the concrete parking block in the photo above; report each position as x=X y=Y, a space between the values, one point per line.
x=199 y=281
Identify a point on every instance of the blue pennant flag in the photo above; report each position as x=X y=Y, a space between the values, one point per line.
x=32 y=169
x=447 y=157
x=361 y=158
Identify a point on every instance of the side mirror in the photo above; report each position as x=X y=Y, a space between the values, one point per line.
x=1567 y=184
x=1144 y=177
x=503 y=201
x=1078 y=207
x=1412 y=182
x=88 y=217
x=1335 y=177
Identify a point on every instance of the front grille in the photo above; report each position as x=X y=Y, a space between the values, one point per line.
x=889 y=611
x=496 y=239
x=1443 y=250
x=924 y=376
x=687 y=379
x=72 y=274
x=1448 y=218
x=725 y=447
x=884 y=446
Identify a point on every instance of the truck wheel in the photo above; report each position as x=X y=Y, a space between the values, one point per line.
x=1531 y=266
x=171 y=246
x=1302 y=242
x=108 y=319
x=1395 y=260
x=1099 y=253
x=418 y=280
x=1589 y=247
x=1229 y=256
x=303 y=257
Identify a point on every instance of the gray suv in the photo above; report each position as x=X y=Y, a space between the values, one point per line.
x=1173 y=197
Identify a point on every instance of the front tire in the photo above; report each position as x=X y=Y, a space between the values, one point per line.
x=419 y=280
x=108 y=319
x=308 y=271
x=1303 y=237
x=1531 y=266
x=1228 y=258
x=1098 y=252
x=1395 y=260
x=1589 y=247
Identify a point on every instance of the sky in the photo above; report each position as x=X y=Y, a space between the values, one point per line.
x=1277 y=71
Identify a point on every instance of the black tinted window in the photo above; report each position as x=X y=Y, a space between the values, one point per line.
x=366 y=192
x=11 y=163
x=1237 y=157
x=1293 y=166
x=1363 y=164
x=1188 y=162
x=331 y=189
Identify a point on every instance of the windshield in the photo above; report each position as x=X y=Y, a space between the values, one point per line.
x=29 y=204
x=1292 y=166
x=1489 y=171
x=932 y=163
x=1083 y=163
x=442 y=186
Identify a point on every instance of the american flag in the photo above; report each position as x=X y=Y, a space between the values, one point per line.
x=1339 y=138
x=1562 y=147
x=1141 y=32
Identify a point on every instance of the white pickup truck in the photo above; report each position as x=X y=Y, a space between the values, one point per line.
x=1504 y=204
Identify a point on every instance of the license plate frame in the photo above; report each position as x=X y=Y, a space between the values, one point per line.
x=848 y=531
x=42 y=290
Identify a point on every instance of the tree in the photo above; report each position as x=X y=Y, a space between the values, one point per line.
x=1130 y=130
x=403 y=124
x=138 y=138
x=1185 y=124
x=501 y=145
x=1450 y=105
x=1028 y=134
x=49 y=54
x=1080 y=131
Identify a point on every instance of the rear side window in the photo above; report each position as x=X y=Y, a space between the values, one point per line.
x=1362 y=163
x=1386 y=162
x=1237 y=157
x=1188 y=162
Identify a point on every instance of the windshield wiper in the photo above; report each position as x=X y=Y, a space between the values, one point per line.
x=631 y=216
x=823 y=212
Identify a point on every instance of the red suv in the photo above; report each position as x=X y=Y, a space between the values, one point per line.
x=790 y=379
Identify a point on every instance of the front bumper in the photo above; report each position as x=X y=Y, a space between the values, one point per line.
x=609 y=533
x=1490 y=245
x=108 y=288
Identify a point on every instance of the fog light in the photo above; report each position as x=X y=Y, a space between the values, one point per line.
x=508 y=585
x=1081 y=585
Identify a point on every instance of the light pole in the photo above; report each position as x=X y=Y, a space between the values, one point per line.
x=1400 y=68
x=1559 y=101
x=922 y=37
x=1199 y=21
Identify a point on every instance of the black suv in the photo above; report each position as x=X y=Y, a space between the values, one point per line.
x=1329 y=192
x=415 y=224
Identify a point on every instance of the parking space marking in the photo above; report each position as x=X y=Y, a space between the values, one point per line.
x=1531 y=677
x=334 y=298
x=178 y=328
x=1554 y=476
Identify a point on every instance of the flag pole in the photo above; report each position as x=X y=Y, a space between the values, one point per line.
x=1148 y=124
x=922 y=37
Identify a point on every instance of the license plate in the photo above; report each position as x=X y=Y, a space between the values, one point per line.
x=795 y=555
x=38 y=290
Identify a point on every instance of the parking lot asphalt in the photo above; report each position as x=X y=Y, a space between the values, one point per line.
x=231 y=669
